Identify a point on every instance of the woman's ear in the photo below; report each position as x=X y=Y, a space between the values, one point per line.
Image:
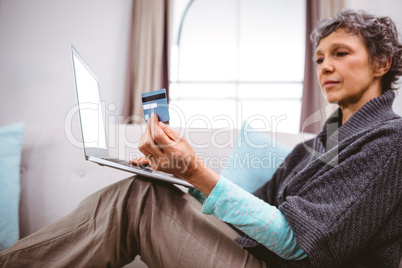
x=382 y=67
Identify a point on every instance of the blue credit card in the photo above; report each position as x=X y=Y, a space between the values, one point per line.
x=155 y=102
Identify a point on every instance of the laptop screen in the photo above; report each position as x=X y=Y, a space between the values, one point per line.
x=92 y=126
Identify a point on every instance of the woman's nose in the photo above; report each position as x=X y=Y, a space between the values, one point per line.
x=326 y=66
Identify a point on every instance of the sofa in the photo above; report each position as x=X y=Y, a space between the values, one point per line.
x=55 y=176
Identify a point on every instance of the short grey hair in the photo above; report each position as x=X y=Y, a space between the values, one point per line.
x=378 y=33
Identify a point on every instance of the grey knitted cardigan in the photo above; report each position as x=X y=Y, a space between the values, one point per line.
x=341 y=192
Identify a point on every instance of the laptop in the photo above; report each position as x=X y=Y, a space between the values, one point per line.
x=93 y=129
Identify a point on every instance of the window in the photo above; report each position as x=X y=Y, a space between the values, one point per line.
x=235 y=61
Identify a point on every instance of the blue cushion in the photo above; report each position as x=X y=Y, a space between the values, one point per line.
x=10 y=159
x=254 y=159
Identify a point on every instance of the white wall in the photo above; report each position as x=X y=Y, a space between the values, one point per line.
x=36 y=77
x=391 y=8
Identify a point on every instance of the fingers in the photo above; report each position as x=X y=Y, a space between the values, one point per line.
x=159 y=141
x=142 y=161
x=173 y=135
x=146 y=147
x=154 y=139
x=144 y=143
x=158 y=135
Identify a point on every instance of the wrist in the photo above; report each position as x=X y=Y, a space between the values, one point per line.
x=203 y=178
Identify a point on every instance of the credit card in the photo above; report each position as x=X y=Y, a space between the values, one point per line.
x=155 y=102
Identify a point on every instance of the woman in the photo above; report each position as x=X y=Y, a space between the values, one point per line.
x=336 y=200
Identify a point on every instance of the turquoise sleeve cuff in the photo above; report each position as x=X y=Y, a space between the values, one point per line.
x=210 y=203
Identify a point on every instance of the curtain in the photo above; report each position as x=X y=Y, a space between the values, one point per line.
x=147 y=68
x=311 y=99
x=314 y=106
x=328 y=8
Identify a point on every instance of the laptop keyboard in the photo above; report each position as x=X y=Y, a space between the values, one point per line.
x=128 y=164
x=143 y=168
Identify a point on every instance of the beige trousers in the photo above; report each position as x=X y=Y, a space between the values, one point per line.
x=109 y=228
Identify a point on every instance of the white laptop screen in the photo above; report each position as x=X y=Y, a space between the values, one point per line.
x=87 y=86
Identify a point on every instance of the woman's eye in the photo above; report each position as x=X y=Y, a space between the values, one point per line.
x=319 y=61
x=341 y=54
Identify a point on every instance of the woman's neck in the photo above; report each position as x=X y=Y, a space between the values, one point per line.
x=350 y=108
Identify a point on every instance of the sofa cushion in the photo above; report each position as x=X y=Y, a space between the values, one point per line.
x=10 y=159
x=254 y=159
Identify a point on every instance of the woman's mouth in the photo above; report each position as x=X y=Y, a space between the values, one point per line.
x=330 y=83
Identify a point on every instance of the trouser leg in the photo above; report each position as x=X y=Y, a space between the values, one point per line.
x=93 y=235
x=109 y=228
x=174 y=233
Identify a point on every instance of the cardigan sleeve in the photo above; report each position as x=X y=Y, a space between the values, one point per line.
x=259 y=220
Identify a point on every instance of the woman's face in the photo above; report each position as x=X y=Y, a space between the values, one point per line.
x=345 y=72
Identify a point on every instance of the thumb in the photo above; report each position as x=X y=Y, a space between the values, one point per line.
x=172 y=134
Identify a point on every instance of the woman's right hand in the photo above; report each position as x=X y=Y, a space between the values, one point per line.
x=165 y=150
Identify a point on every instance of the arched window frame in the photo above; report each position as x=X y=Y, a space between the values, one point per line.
x=174 y=80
